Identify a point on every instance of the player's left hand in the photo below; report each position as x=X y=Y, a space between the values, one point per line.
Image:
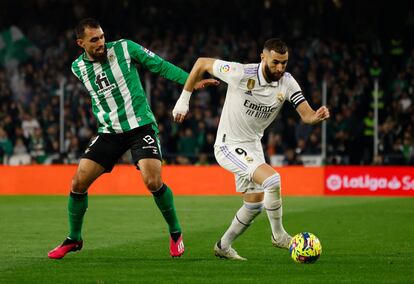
x=180 y=110
x=321 y=114
x=206 y=83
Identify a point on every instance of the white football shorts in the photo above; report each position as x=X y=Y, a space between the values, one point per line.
x=242 y=160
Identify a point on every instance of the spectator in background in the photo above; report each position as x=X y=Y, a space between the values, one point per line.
x=20 y=155
x=187 y=144
x=275 y=145
x=202 y=159
x=302 y=131
x=408 y=148
x=313 y=145
x=291 y=159
x=378 y=160
x=205 y=156
x=6 y=146
x=29 y=124
x=387 y=137
x=73 y=152
x=368 y=137
x=37 y=146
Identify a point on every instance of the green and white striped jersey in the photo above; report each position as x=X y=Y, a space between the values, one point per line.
x=119 y=102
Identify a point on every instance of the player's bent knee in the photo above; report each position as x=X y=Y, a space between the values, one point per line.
x=272 y=183
x=153 y=183
x=78 y=186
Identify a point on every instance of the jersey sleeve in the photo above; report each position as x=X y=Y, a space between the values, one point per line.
x=294 y=92
x=75 y=70
x=229 y=72
x=156 y=64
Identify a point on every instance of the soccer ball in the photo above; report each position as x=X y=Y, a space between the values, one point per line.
x=305 y=248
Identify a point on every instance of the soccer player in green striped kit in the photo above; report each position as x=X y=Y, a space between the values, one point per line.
x=125 y=122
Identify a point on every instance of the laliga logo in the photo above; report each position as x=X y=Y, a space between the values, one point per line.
x=225 y=68
x=334 y=182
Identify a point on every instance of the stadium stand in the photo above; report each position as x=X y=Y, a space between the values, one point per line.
x=349 y=57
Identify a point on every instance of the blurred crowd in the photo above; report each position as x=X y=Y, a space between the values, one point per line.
x=29 y=94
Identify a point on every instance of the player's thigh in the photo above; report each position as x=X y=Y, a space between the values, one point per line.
x=151 y=173
x=144 y=144
x=247 y=186
x=105 y=150
x=240 y=159
x=263 y=172
x=86 y=173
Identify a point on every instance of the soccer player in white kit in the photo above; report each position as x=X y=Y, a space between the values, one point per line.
x=255 y=95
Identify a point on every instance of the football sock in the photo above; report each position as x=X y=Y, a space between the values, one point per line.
x=165 y=202
x=244 y=217
x=175 y=236
x=273 y=204
x=77 y=205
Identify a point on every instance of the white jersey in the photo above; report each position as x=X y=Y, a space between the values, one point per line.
x=251 y=103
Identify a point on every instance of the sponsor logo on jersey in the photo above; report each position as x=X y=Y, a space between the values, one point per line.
x=250 y=70
x=103 y=83
x=149 y=52
x=250 y=84
x=224 y=68
x=260 y=108
x=258 y=111
x=153 y=148
x=111 y=58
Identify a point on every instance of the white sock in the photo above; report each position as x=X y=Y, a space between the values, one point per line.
x=273 y=205
x=244 y=217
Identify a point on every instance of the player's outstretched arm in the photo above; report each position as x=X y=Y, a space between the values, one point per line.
x=309 y=116
x=201 y=66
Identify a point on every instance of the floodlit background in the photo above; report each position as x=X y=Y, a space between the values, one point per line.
x=356 y=55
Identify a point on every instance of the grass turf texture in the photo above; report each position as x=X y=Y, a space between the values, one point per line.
x=365 y=240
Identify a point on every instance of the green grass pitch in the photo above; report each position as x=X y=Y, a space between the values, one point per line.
x=365 y=240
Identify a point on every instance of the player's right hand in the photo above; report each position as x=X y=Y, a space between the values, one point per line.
x=322 y=114
x=206 y=83
x=180 y=110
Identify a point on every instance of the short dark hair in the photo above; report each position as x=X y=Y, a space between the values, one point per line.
x=84 y=23
x=276 y=44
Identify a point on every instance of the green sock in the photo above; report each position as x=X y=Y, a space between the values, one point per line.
x=165 y=202
x=76 y=210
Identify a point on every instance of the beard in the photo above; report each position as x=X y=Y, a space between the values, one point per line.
x=100 y=56
x=273 y=77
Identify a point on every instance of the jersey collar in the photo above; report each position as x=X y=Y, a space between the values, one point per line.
x=85 y=58
x=262 y=80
